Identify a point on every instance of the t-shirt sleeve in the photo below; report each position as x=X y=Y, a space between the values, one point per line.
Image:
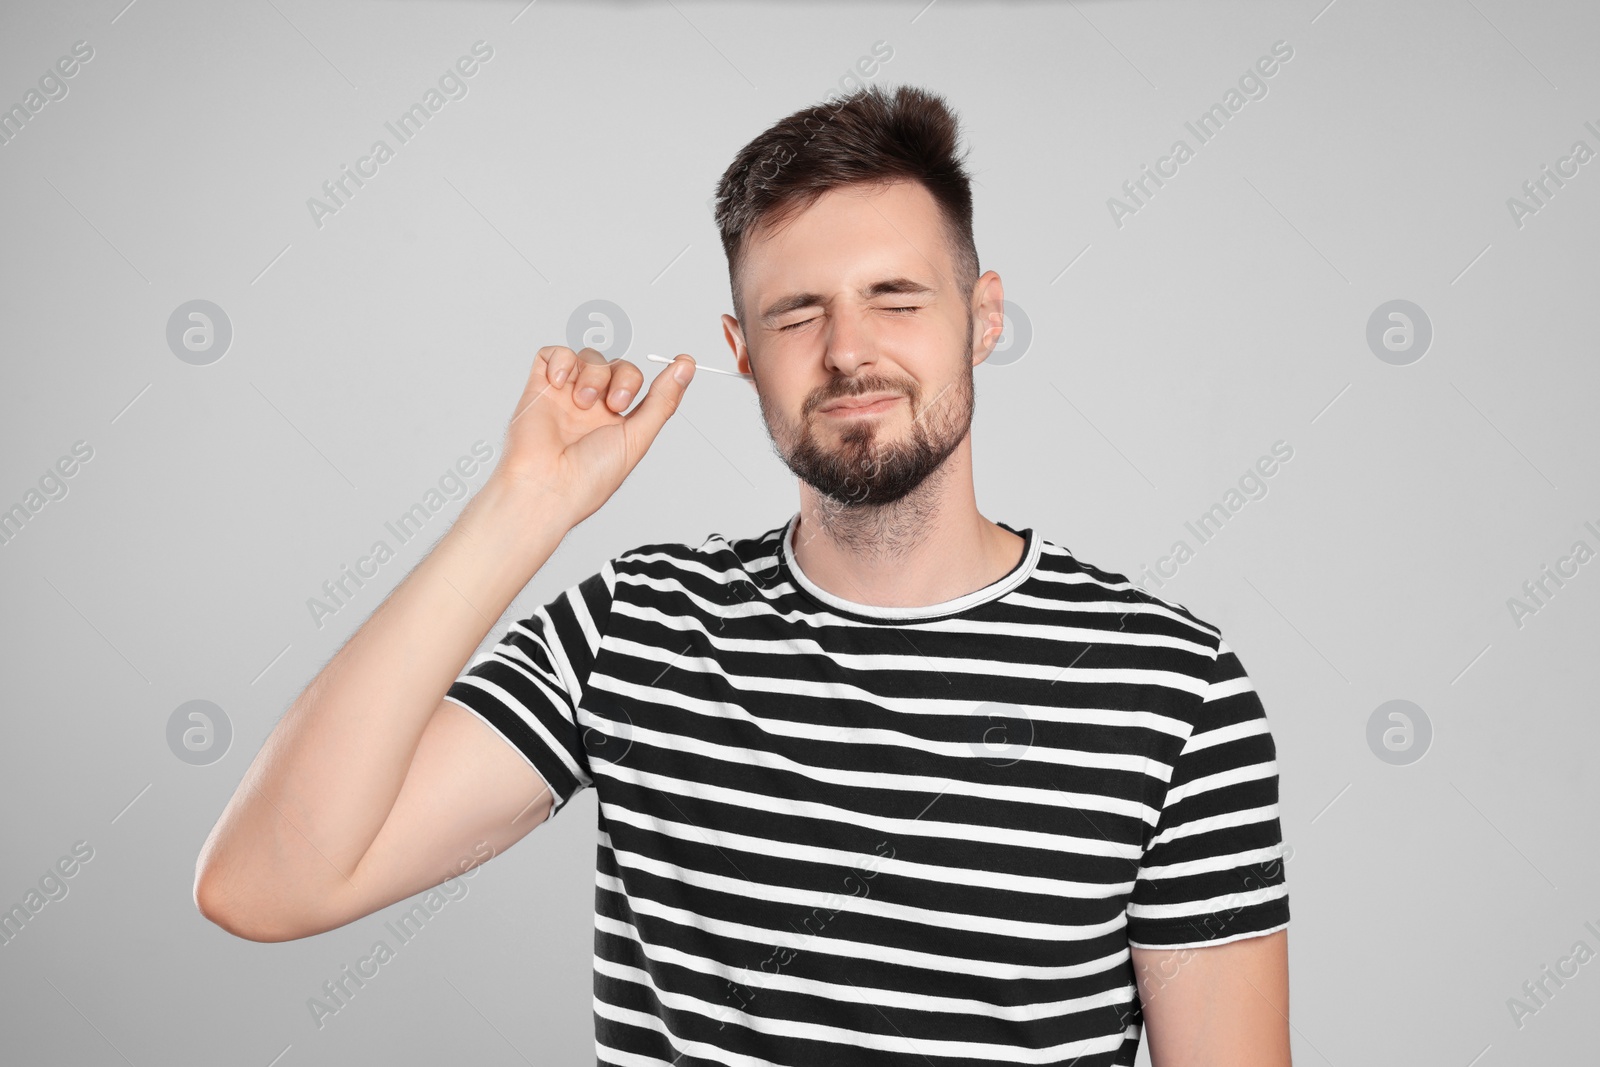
x=1213 y=871
x=528 y=687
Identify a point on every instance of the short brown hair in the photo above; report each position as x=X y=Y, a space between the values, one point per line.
x=870 y=137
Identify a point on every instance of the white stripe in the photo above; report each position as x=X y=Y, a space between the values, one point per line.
x=1172 y=608
x=804 y=647
x=627 y=1059
x=1232 y=776
x=591 y=635
x=1059 y=555
x=1200 y=909
x=866 y=950
x=1211 y=863
x=808 y=899
x=1100 y=635
x=1232 y=687
x=725 y=711
x=907 y=783
x=532 y=720
x=1225 y=821
x=505 y=651
x=837 y=691
x=865 y=663
x=1218 y=941
x=1224 y=734
x=809 y=809
x=806 y=1031
x=978 y=878
x=761 y=979
x=683 y=1045
x=675 y=585
x=850 y=735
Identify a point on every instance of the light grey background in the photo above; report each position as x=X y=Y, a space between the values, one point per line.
x=1166 y=355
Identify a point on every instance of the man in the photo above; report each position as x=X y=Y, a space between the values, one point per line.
x=891 y=783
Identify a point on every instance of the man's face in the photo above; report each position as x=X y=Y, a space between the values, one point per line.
x=856 y=297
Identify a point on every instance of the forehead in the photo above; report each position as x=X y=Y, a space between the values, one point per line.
x=848 y=234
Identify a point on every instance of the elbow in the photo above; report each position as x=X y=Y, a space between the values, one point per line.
x=217 y=906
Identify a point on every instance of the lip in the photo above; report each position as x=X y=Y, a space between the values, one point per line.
x=853 y=407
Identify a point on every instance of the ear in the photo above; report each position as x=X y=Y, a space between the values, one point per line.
x=988 y=315
x=734 y=335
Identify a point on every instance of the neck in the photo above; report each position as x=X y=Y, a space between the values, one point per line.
x=930 y=546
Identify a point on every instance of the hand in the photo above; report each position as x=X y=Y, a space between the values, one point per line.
x=575 y=444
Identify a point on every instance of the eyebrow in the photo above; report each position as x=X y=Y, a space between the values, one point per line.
x=796 y=301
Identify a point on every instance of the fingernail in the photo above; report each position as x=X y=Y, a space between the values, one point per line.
x=621 y=396
x=560 y=376
x=587 y=394
x=683 y=371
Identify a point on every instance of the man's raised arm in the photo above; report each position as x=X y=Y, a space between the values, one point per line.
x=372 y=787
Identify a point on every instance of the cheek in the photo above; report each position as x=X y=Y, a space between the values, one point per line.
x=787 y=388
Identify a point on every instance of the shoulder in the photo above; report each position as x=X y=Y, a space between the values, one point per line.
x=712 y=557
x=1189 y=651
x=1144 y=612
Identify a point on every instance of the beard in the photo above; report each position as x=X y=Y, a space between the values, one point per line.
x=862 y=462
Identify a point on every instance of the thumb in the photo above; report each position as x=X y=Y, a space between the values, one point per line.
x=644 y=422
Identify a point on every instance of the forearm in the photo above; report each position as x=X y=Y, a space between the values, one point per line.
x=315 y=797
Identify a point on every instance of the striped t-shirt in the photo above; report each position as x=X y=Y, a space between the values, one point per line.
x=833 y=833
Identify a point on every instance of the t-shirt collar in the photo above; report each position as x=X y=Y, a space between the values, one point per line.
x=998 y=588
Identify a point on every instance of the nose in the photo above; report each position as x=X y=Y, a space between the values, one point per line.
x=850 y=342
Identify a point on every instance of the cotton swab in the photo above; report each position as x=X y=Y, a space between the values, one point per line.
x=699 y=366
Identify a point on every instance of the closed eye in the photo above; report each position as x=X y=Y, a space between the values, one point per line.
x=803 y=322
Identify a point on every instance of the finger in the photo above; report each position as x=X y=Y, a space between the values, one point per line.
x=559 y=367
x=645 y=421
x=626 y=378
x=591 y=379
x=538 y=383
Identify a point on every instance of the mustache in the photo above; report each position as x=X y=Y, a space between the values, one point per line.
x=862 y=388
